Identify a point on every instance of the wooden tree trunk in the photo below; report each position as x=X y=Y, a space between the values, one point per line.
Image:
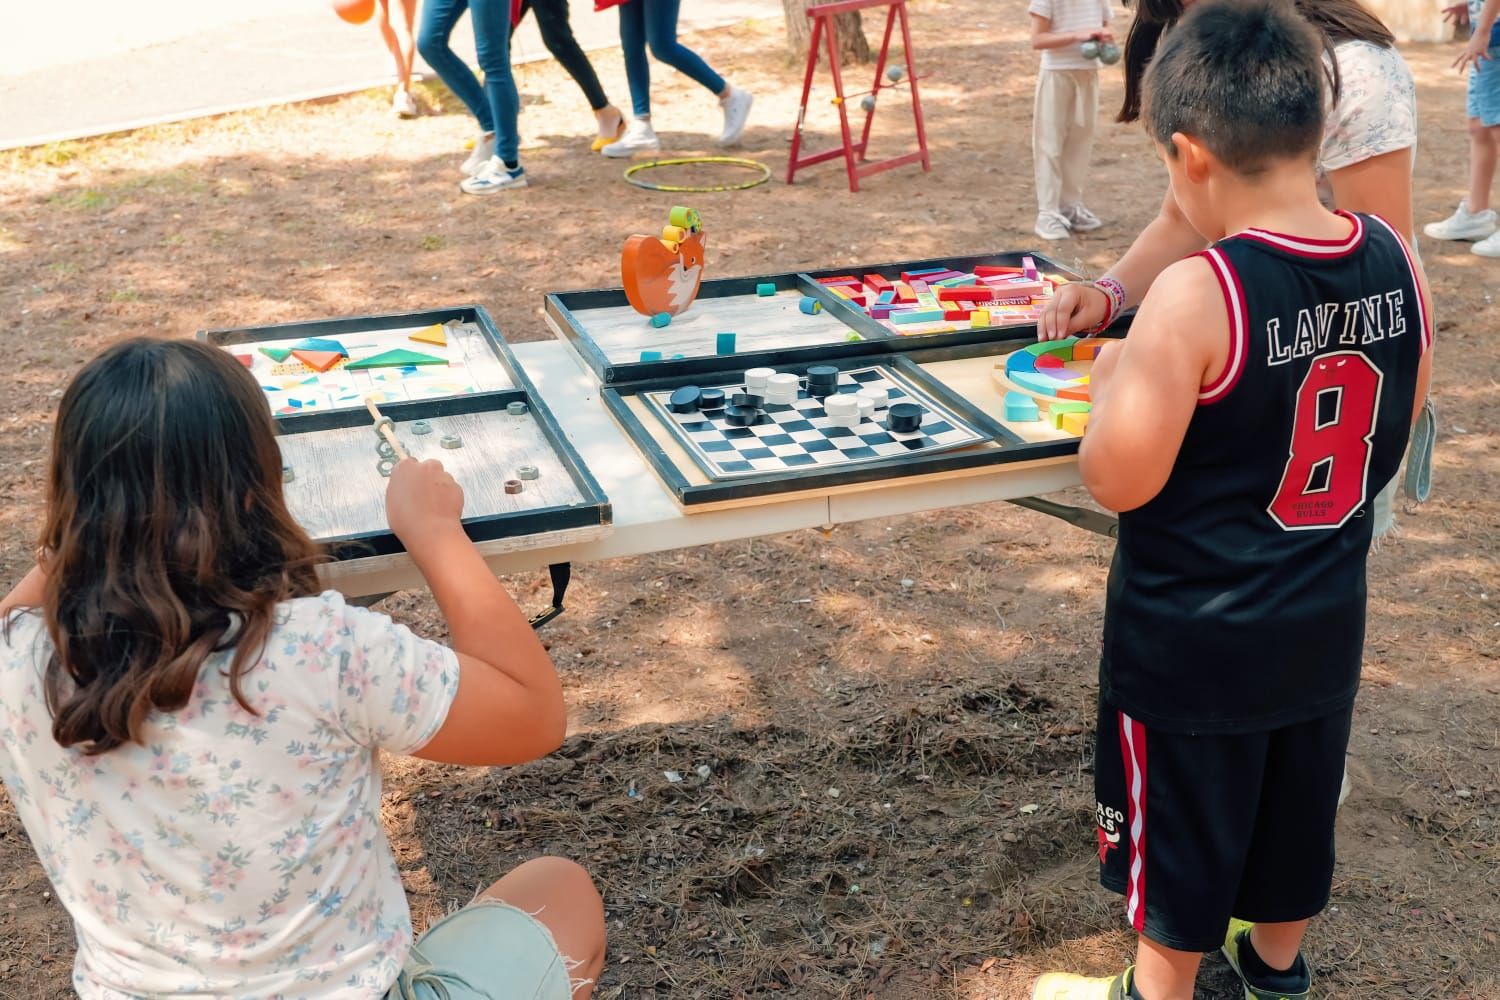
x=853 y=46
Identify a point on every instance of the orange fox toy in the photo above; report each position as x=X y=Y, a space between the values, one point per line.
x=662 y=274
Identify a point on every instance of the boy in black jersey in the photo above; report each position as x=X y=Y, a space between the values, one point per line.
x=1265 y=392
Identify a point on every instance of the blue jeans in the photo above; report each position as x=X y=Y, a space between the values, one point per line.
x=655 y=22
x=495 y=102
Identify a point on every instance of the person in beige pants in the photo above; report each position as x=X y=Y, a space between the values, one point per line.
x=1067 y=104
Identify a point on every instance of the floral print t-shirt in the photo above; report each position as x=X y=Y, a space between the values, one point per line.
x=1377 y=108
x=234 y=854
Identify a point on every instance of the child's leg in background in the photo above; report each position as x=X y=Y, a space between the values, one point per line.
x=492 y=44
x=1484 y=145
x=1053 y=111
x=661 y=32
x=561 y=895
x=1078 y=142
x=557 y=35
x=397 y=34
x=637 y=68
x=438 y=19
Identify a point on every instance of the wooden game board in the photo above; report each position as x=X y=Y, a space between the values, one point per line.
x=336 y=490
x=772 y=331
x=472 y=360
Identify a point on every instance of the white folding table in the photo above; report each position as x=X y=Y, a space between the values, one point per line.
x=647 y=519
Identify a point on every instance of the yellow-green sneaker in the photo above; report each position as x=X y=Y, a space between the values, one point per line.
x=1069 y=986
x=1294 y=984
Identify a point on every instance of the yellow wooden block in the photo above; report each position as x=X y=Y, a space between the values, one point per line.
x=1075 y=423
x=979 y=318
x=434 y=334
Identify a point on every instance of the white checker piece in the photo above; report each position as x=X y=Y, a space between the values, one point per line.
x=801 y=437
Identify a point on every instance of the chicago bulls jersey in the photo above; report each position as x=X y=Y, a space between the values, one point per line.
x=1236 y=600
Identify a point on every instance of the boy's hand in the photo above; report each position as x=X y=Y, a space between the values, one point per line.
x=422 y=500
x=1076 y=306
x=1474 y=53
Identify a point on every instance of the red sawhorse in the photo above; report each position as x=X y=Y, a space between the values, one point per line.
x=854 y=153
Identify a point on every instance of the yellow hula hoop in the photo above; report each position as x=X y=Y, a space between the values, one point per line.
x=732 y=161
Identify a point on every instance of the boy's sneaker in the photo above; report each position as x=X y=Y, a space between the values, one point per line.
x=1081 y=220
x=736 y=112
x=494 y=177
x=484 y=151
x=1293 y=984
x=639 y=137
x=1463 y=224
x=1487 y=247
x=1067 y=986
x=1053 y=226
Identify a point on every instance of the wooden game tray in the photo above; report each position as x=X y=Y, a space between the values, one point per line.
x=345 y=495
x=856 y=319
x=770 y=332
x=684 y=474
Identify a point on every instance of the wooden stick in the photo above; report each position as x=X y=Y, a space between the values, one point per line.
x=386 y=431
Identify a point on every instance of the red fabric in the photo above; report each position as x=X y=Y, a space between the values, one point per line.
x=515 y=12
x=607 y=4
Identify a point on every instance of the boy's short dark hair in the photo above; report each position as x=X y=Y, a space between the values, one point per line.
x=1244 y=77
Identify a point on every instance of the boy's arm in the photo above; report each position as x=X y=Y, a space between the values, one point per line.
x=1145 y=388
x=26 y=594
x=1043 y=37
x=1479 y=42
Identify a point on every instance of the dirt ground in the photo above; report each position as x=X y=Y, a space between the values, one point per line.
x=894 y=720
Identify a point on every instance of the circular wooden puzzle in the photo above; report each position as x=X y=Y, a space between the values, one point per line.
x=1049 y=381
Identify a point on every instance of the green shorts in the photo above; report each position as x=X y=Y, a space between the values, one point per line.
x=488 y=950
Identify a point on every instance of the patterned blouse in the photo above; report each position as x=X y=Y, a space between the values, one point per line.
x=234 y=854
x=1377 y=108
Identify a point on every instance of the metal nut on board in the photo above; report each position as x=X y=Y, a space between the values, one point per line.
x=288 y=474
x=516 y=409
x=385 y=467
x=514 y=486
x=451 y=441
x=527 y=472
x=421 y=427
x=384 y=450
x=384 y=422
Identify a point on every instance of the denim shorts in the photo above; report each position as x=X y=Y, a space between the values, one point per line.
x=1484 y=90
x=488 y=950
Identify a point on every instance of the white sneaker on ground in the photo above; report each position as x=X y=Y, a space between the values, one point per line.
x=639 y=137
x=1081 y=220
x=736 y=112
x=404 y=105
x=1487 y=247
x=1052 y=226
x=484 y=152
x=1463 y=224
x=494 y=177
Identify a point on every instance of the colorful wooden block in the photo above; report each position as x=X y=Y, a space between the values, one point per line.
x=1020 y=407
x=1075 y=423
x=321 y=344
x=1088 y=350
x=880 y=312
x=904 y=293
x=651 y=355
x=245 y=359
x=661 y=319
x=886 y=297
x=399 y=358
x=917 y=316
x=959 y=293
x=810 y=306
x=876 y=283
x=843 y=279
x=434 y=335
x=277 y=354
x=995 y=270
x=319 y=361
x=919 y=272
x=979 y=318
x=724 y=343
x=1062 y=408
x=765 y=289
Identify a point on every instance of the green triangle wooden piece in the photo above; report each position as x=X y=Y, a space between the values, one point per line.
x=399 y=358
x=277 y=354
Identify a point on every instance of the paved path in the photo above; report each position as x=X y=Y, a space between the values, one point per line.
x=86 y=67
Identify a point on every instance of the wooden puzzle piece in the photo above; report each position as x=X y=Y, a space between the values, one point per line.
x=318 y=361
x=399 y=358
x=434 y=334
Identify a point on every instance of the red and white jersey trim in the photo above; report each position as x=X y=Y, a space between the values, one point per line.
x=1239 y=328
x=1133 y=744
x=1304 y=247
x=1416 y=284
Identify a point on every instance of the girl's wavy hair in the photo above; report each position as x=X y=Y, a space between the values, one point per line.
x=1336 y=21
x=167 y=538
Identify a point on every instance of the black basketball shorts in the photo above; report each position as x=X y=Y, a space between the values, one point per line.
x=1194 y=830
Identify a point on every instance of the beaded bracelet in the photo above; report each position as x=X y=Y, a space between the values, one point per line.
x=1115 y=292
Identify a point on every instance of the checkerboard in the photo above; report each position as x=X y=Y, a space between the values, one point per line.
x=800 y=438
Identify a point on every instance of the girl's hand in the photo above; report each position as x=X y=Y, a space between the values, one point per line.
x=1075 y=307
x=1457 y=14
x=1474 y=53
x=422 y=501
x=1105 y=34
